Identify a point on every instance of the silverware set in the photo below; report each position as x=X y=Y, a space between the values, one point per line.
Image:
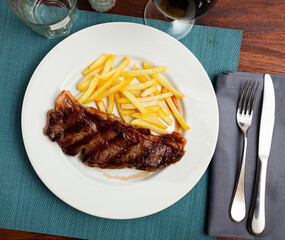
x=244 y=115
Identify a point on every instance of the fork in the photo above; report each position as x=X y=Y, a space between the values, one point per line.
x=244 y=118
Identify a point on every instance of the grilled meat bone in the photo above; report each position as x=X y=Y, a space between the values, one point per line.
x=104 y=141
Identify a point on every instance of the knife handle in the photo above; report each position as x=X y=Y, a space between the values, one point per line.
x=256 y=223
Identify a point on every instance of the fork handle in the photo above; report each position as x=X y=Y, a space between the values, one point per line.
x=256 y=223
x=237 y=206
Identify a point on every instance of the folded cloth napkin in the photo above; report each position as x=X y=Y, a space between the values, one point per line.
x=227 y=158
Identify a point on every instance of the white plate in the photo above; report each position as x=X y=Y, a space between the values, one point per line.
x=85 y=188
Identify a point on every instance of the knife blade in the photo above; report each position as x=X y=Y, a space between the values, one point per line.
x=256 y=223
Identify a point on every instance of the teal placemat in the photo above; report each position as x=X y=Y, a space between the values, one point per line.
x=25 y=203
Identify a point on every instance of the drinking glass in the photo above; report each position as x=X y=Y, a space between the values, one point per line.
x=50 y=18
x=179 y=15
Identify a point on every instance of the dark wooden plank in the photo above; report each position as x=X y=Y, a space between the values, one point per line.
x=132 y=8
x=21 y=235
x=7 y=234
x=263 y=25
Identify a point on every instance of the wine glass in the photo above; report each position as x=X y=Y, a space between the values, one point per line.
x=179 y=15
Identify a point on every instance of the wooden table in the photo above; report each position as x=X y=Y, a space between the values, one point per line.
x=262 y=50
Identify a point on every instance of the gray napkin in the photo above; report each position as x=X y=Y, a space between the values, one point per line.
x=227 y=157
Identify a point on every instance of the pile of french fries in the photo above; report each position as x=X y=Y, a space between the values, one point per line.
x=147 y=104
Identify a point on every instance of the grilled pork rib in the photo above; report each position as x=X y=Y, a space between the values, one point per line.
x=104 y=141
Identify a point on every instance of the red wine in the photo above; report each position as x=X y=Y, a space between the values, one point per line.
x=184 y=9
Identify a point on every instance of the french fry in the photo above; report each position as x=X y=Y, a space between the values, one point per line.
x=126 y=118
x=124 y=100
x=101 y=106
x=164 y=117
x=79 y=96
x=116 y=87
x=144 y=124
x=136 y=73
x=140 y=86
x=110 y=108
x=152 y=109
x=164 y=83
x=108 y=75
x=147 y=99
x=149 y=91
x=145 y=117
x=150 y=117
x=128 y=112
x=99 y=61
x=160 y=123
x=157 y=92
x=164 y=107
x=109 y=63
x=175 y=112
x=105 y=76
x=90 y=89
x=142 y=78
x=109 y=82
x=136 y=94
x=147 y=66
x=133 y=99
x=174 y=99
x=144 y=104
x=84 y=83
x=156 y=97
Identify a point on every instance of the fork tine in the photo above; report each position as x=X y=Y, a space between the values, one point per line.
x=250 y=99
x=241 y=98
x=246 y=98
x=253 y=102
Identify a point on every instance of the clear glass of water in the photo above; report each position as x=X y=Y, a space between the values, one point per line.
x=50 y=18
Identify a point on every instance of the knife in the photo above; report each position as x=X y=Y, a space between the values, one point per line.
x=256 y=223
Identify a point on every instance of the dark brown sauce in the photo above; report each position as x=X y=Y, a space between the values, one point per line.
x=123 y=178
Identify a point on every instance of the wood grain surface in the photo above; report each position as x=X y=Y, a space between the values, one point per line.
x=262 y=22
x=262 y=50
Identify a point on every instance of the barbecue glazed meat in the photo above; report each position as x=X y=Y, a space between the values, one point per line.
x=104 y=141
